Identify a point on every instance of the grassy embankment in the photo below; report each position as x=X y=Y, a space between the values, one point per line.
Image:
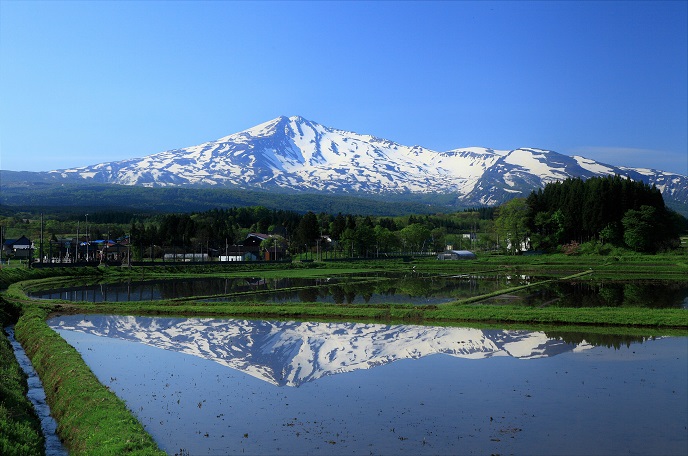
x=20 y=429
x=93 y=421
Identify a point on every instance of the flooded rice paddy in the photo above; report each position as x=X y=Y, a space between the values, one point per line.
x=390 y=288
x=636 y=293
x=232 y=386
x=408 y=288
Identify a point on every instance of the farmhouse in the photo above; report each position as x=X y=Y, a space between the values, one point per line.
x=253 y=248
x=114 y=251
x=17 y=248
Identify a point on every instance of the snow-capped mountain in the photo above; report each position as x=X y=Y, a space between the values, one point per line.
x=292 y=353
x=292 y=153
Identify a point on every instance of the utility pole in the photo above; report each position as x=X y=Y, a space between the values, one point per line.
x=41 y=248
x=87 y=239
x=129 y=251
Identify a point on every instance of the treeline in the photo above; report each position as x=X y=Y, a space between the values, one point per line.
x=217 y=229
x=610 y=210
x=358 y=235
x=574 y=216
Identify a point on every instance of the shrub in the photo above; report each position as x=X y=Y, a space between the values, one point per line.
x=595 y=248
x=572 y=248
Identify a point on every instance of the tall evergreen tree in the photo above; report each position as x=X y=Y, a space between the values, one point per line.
x=577 y=210
x=308 y=230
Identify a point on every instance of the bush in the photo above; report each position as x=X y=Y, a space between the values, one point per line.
x=572 y=248
x=595 y=248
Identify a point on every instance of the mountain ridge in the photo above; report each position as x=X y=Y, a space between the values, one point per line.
x=296 y=154
x=289 y=353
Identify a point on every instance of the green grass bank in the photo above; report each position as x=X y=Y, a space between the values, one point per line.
x=20 y=429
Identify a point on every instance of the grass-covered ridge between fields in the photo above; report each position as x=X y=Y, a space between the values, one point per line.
x=20 y=429
x=92 y=420
x=551 y=268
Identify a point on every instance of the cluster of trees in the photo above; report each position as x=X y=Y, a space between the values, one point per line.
x=350 y=234
x=608 y=210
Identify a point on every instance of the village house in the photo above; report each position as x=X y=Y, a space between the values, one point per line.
x=20 y=249
x=253 y=249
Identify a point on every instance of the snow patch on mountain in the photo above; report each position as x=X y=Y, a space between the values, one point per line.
x=593 y=166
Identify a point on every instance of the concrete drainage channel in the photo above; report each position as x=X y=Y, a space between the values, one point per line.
x=36 y=394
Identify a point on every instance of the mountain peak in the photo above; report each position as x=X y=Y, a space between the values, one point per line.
x=294 y=153
x=274 y=351
x=299 y=119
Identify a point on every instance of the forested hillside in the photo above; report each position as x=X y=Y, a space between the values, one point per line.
x=609 y=209
x=50 y=197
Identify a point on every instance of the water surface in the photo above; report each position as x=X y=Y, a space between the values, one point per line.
x=213 y=386
x=388 y=288
x=585 y=293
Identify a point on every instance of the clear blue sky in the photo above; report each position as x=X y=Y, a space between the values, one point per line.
x=87 y=82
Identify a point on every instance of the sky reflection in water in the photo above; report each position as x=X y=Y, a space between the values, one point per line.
x=312 y=389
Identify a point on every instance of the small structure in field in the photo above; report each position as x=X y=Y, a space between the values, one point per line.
x=18 y=248
x=457 y=255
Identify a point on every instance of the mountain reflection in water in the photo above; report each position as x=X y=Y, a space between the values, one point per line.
x=292 y=353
